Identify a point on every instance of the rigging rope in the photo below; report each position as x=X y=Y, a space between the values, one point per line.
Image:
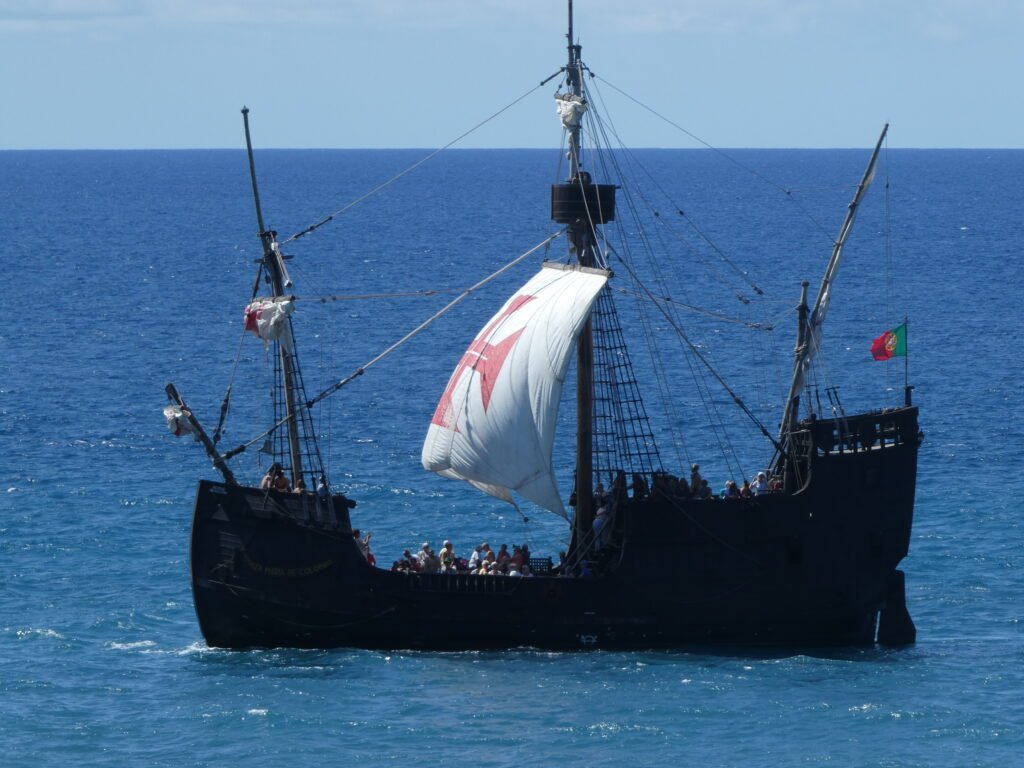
x=412 y=167
x=697 y=353
x=700 y=310
x=784 y=190
x=430 y=320
x=407 y=337
x=702 y=387
x=635 y=161
x=226 y=402
x=361 y=296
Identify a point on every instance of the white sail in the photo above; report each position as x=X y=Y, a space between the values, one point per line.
x=495 y=423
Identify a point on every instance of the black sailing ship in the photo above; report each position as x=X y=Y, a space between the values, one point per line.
x=810 y=561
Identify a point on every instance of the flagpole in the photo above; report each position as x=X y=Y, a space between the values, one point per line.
x=906 y=362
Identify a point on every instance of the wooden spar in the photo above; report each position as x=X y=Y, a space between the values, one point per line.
x=211 y=449
x=809 y=331
x=581 y=239
x=274 y=264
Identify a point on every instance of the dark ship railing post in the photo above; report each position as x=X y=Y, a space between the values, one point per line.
x=272 y=261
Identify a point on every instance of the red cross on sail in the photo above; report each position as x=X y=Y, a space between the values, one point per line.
x=484 y=359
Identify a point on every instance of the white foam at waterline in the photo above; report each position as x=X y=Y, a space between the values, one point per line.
x=258 y=712
x=38 y=632
x=196 y=647
x=131 y=646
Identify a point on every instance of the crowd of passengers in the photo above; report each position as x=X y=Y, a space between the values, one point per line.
x=696 y=487
x=664 y=484
x=483 y=562
x=486 y=562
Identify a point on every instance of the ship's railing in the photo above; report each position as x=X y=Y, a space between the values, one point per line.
x=867 y=432
x=464 y=582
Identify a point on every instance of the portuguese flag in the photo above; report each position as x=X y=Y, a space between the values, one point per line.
x=890 y=344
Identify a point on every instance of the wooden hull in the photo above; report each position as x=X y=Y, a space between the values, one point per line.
x=816 y=567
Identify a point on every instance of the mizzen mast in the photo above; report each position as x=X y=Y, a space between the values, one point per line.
x=809 y=323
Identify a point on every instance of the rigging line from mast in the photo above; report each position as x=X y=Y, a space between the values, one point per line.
x=226 y=401
x=596 y=125
x=409 y=336
x=362 y=296
x=430 y=320
x=689 y=219
x=693 y=348
x=663 y=387
x=714 y=417
x=786 y=191
x=412 y=167
x=700 y=310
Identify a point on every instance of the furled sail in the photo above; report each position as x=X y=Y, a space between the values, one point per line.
x=267 y=318
x=495 y=424
x=570 y=110
x=178 y=421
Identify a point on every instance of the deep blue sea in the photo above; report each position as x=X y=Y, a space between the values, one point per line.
x=127 y=270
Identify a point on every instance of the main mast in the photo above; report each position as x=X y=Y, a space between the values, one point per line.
x=580 y=205
x=581 y=240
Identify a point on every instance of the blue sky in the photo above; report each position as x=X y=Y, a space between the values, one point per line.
x=417 y=73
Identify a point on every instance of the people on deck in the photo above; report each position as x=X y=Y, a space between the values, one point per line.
x=704 y=492
x=274 y=479
x=447 y=557
x=619 y=486
x=696 y=481
x=730 y=491
x=639 y=486
x=364 y=545
x=600 y=518
x=429 y=562
x=761 y=484
x=300 y=486
x=412 y=562
x=503 y=556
